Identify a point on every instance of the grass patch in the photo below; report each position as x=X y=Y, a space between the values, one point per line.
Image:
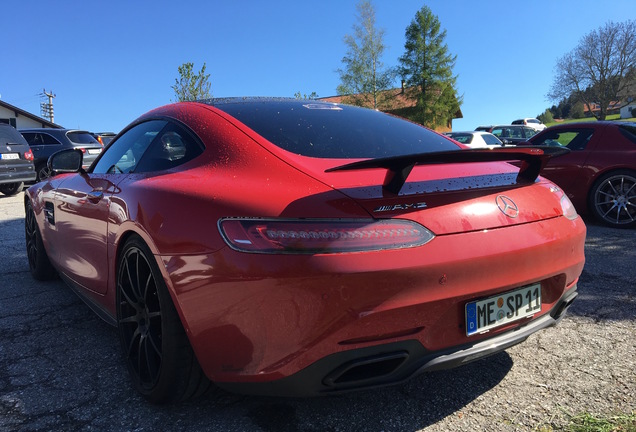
x=589 y=423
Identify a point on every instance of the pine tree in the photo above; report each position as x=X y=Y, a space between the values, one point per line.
x=427 y=70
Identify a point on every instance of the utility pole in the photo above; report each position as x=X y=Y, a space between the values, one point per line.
x=46 y=109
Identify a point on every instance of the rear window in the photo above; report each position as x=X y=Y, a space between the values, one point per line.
x=82 y=138
x=8 y=135
x=518 y=122
x=462 y=138
x=322 y=130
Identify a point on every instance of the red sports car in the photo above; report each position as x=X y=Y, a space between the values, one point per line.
x=599 y=174
x=287 y=247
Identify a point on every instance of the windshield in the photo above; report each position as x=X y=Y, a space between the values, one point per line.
x=325 y=130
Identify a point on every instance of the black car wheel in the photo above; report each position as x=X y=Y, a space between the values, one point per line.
x=39 y=264
x=10 y=189
x=43 y=172
x=613 y=199
x=160 y=360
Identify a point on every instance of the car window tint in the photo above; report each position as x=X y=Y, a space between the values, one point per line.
x=335 y=131
x=575 y=140
x=34 y=138
x=491 y=140
x=529 y=132
x=172 y=147
x=9 y=135
x=462 y=138
x=533 y=121
x=628 y=132
x=123 y=155
x=79 y=137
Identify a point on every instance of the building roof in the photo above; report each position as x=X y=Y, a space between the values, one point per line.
x=20 y=112
x=392 y=100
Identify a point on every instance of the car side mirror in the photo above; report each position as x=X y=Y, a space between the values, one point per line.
x=66 y=161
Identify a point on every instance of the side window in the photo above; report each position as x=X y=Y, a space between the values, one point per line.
x=491 y=140
x=575 y=140
x=173 y=146
x=48 y=139
x=123 y=155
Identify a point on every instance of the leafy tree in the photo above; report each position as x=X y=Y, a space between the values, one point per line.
x=546 y=117
x=363 y=76
x=577 y=111
x=311 y=96
x=190 y=86
x=599 y=68
x=427 y=70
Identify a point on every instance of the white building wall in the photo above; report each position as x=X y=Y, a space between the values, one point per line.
x=21 y=121
x=626 y=111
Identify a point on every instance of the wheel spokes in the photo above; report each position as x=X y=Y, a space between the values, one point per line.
x=140 y=317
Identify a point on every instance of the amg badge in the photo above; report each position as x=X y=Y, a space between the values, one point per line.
x=394 y=207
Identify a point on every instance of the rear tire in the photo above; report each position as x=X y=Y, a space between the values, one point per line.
x=613 y=199
x=10 y=189
x=160 y=360
x=39 y=264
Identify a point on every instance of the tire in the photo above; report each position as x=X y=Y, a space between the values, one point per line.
x=43 y=172
x=39 y=264
x=10 y=189
x=160 y=360
x=613 y=199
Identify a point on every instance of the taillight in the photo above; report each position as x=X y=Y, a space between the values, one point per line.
x=83 y=149
x=312 y=236
x=28 y=155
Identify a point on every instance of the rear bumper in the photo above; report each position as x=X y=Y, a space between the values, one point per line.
x=392 y=363
x=17 y=172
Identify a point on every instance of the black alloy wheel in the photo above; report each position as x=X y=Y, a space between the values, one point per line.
x=39 y=264
x=613 y=199
x=160 y=360
x=43 y=172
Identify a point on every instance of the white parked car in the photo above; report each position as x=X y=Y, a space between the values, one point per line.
x=530 y=122
x=476 y=139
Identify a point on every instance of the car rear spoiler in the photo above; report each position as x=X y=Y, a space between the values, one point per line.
x=399 y=167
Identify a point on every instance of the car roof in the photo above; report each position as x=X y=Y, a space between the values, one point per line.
x=51 y=130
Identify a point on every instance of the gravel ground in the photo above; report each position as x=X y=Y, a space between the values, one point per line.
x=60 y=366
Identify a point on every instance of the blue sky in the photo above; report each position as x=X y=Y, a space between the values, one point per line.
x=110 y=61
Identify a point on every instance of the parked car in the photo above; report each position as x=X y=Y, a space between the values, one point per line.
x=513 y=134
x=46 y=141
x=484 y=128
x=16 y=161
x=475 y=139
x=103 y=137
x=530 y=122
x=290 y=247
x=599 y=174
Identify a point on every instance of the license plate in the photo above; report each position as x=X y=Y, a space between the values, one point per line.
x=94 y=151
x=484 y=315
x=9 y=156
